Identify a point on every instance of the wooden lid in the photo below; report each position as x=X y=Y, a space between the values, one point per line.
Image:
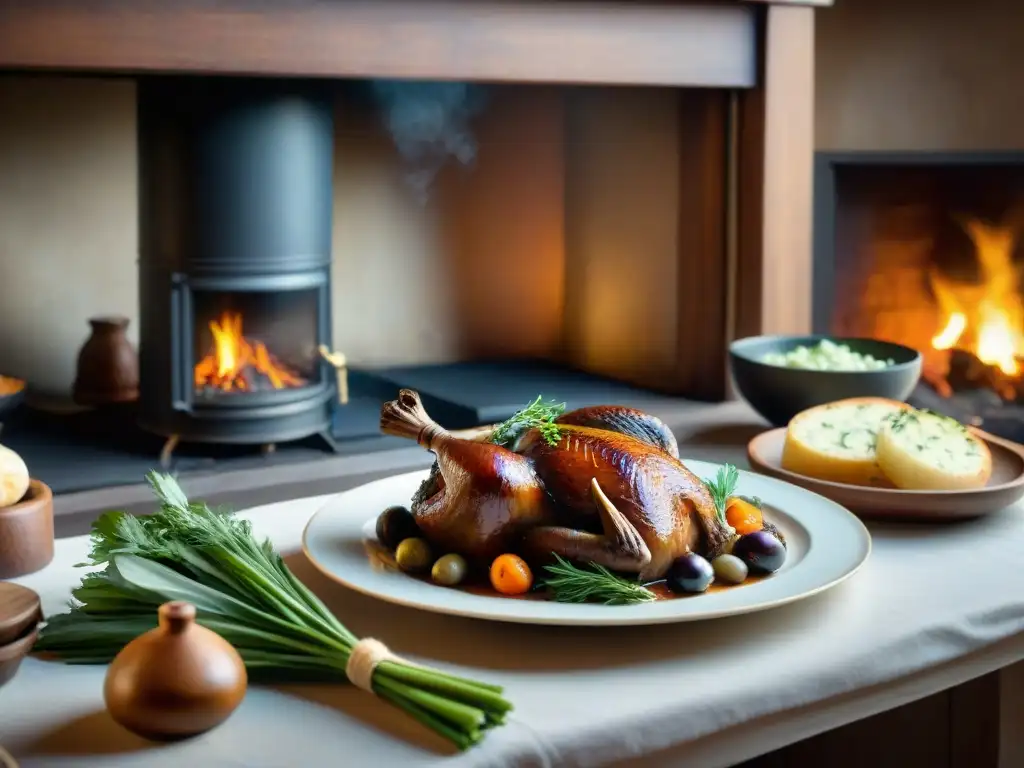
x=20 y=609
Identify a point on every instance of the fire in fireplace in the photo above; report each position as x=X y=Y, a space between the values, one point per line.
x=928 y=250
x=236 y=363
x=981 y=315
x=235 y=259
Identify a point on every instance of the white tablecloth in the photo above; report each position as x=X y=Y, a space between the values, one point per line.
x=934 y=607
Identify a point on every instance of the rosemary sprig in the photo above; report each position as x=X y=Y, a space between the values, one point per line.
x=596 y=584
x=537 y=414
x=722 y=487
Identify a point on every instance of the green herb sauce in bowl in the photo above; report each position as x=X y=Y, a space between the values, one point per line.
x=779 y=376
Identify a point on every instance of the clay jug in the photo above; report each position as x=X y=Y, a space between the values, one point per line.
x=175 y=681
x=108 y=368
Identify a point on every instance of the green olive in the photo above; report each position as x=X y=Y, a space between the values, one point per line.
x=449 y=570
x=413 y=555
x=394 y=525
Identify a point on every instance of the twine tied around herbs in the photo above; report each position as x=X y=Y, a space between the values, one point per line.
x=363 y=660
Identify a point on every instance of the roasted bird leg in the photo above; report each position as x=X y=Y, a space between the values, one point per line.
x=620 y=546
x=485 y=495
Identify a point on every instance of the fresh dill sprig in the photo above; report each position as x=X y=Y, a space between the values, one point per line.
x=722 y=487
x=596 y=584
x=537 y=414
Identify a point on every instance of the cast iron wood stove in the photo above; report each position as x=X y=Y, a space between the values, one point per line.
x=235 y=202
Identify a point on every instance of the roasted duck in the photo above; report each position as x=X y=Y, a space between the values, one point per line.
x=606 y=486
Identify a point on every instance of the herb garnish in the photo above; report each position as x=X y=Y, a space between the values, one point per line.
x=537 y=414
x=242 y=590
x=596 y=584
x=899 y=421
x=723 y=487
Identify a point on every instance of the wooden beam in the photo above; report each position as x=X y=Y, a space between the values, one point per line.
x=701 y=241
x=564 y=41
x=776 y=155
x=812 y=3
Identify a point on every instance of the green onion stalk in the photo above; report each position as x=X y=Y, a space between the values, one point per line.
x=243 y=591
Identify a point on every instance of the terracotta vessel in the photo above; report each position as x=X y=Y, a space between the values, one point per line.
x=26 y=533
x=108 y=367
x=175 y=681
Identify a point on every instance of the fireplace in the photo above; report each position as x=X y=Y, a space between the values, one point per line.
x=640 y=197
x=235 y=206
x=927 y=249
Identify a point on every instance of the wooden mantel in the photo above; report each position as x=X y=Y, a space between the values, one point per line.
x=745 y=69
x=653 y=42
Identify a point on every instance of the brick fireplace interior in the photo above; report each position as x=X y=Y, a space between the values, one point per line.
x=925 y=249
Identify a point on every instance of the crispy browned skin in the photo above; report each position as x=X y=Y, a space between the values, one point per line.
x=626 y=421
x=658 y=496
x=599 y=495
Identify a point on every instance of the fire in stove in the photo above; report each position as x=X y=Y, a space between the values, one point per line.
x=237 y=364
x=983 y=318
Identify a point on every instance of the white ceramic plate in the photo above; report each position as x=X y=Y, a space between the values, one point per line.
x=827 y=544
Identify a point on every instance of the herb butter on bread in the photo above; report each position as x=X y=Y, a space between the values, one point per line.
x=837 y=441
x=923 y=451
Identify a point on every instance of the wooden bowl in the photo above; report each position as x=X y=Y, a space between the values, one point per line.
x=1005 y=487
x=12 y=654
x=26 y=533
x=20 y=610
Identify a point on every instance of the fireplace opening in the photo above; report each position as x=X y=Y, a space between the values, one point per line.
x=539 y=241
x=928 y=251
x=254 y=343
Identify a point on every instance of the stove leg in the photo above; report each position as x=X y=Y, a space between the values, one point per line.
x=332 y=444
x=168 y=450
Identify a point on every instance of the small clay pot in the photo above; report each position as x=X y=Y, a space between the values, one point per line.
x=175 y=681
x=108 y=367
x=26 y=533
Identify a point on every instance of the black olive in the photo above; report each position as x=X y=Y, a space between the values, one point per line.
x=394 y=525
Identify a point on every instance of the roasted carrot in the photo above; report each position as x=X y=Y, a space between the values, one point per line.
x=510 y=575
x=743 y=516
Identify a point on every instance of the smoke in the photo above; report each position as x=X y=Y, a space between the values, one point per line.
x=429 y=123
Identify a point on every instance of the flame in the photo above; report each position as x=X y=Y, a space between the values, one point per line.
x=235 y=364
x=987 y=317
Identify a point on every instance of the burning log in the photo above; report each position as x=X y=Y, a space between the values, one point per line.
x=236 y=364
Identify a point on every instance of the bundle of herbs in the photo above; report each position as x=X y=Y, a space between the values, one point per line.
x=243 y=590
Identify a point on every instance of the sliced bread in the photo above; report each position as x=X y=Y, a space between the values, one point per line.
x=924 y=451
x=836 y=441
